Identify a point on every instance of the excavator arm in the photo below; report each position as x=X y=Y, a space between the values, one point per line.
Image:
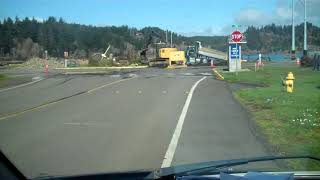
x=143 y=53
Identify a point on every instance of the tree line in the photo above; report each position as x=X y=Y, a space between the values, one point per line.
x=21 y=39
x=25 y=38
x=56 y=36
x=272 y=38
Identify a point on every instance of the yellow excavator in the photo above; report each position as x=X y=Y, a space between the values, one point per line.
x=165 y=57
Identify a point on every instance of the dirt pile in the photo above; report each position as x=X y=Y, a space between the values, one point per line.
x=38 y=63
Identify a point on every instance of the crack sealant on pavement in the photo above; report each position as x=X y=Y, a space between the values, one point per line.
x=13 y=114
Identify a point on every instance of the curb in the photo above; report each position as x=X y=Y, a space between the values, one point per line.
x=218 y=75
x=84 y=73
x=22 y=85
x=90 y=68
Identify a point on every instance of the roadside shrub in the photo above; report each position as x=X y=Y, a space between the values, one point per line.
x=136 y=61
x=306 y=61
x=105 y=62
x=93 y=61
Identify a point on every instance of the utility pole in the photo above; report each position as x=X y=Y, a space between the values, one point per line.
x=305 y=50
x=171 y=40
x=293 y=48
x=166 y=36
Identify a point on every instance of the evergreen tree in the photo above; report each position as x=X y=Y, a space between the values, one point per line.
x=57 y=36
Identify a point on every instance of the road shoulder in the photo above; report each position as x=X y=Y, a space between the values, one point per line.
x=215 y=124
x=12 y=81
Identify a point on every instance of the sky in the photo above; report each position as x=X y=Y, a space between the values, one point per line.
x=186 y=17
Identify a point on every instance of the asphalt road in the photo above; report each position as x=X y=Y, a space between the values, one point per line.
x=76 y=124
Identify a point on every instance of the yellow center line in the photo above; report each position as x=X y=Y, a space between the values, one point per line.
x=216 y=72
x=105 y=85
x=14 y=114
x=26 y=110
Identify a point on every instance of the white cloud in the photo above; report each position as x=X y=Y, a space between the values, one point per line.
x=208 y=31
x=313 y=8
x=313 y=13
x=251 y=17
x=283 y=13
x=280 y=15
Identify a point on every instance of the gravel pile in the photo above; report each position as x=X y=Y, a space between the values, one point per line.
x=39 y=64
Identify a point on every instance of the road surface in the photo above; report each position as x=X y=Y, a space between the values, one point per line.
x=150 y=118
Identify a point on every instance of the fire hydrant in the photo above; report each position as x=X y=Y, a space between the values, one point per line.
x=289 y=82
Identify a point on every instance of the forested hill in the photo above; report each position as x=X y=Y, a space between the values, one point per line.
x=269 y=38
x=278 y=38
x=28 y=37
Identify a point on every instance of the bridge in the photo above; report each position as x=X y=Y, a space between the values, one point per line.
x=212 y=53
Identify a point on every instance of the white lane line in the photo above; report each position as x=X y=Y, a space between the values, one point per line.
x=188 y=74
x=116 y=75
x=177 y=132
x=72 y=123
x=19 y=75
x=206 y=74
x=21 y=85
x=109 y=84
x=86 y=124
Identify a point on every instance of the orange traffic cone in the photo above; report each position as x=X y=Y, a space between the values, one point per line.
x=46 y=68
x=211 y=64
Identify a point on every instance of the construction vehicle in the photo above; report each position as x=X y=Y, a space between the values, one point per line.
x=165 y=56
x=143 y=52
x=197 y=54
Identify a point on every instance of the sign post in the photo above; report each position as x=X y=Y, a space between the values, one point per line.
x=238 y=59
x=236 y=39
x=234 y=54
x=65 y=54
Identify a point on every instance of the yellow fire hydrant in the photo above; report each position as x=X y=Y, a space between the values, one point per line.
x=289 y=82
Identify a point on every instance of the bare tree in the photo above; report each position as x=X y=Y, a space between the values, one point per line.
x=36 y=50
x=26 y=49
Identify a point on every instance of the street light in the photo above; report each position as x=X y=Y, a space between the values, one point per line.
x=293 y=47
x=305 y=48
x=305 y=51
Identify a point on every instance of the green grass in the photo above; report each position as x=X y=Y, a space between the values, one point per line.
x=278 y=113
x=3 y=77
